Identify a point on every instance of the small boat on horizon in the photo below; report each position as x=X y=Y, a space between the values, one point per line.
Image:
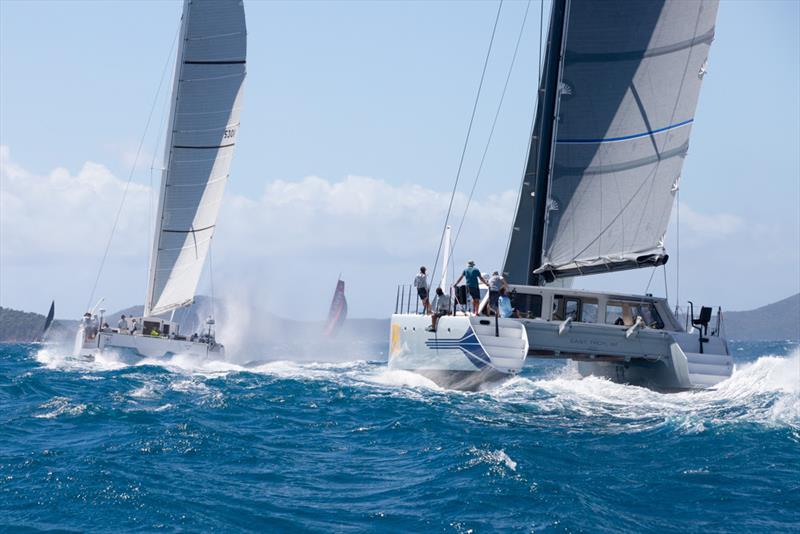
x=202 y=132
x=618 y=91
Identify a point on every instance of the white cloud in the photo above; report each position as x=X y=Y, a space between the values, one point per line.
x=371 y=230
x=61 y=214
x=286 y=246
x=699 y=228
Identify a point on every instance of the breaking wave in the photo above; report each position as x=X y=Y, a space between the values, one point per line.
x=765 y=391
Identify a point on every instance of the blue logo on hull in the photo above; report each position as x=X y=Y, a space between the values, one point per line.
x=468 y=344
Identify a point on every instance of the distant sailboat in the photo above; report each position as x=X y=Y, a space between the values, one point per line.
x=203 y=126
x=338 y=310
x=617 y=96
x=48 y=321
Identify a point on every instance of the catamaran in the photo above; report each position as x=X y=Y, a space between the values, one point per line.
x=617 y=96
x=203 y=125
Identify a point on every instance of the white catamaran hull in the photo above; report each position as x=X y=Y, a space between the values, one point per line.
x=136 y=347
x=464 y=352
x=653 y=358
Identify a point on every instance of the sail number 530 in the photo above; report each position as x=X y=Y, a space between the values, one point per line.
x=229 y=133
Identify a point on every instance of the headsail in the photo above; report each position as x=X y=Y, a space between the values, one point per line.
x=628 y=86
x=203 y=127
x=338 y=311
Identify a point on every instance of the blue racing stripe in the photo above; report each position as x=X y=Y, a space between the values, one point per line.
x=623 y=138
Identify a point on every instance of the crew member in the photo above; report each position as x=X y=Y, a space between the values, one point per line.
x=421 y=283
x=472 y=275
x=441 y=306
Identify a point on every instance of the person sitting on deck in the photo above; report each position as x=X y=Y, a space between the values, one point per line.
x=421 y=283
x=441 y=306
x=134 y=327
x=504 y=304
x=472 y=275
x=122 y=324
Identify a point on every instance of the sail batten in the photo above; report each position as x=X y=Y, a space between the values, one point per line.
x=204 y=121
x=627 y=93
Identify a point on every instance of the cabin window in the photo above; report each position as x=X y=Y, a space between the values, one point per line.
x=580 y=310
x=149 y=326
x=528 y=306
x=647 y=311
x=589 y=311
x=615 y=314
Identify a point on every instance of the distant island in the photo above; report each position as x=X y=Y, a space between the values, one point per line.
x=778 y=321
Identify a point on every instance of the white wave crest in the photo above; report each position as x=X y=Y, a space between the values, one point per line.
x=766 y=391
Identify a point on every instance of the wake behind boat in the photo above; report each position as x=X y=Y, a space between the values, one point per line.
x=203 y=125
x=618 y=91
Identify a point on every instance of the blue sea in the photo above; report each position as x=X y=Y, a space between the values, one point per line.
x=345 y=445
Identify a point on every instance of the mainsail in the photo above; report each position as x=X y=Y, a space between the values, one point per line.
x=607 y=148
x=203 y=127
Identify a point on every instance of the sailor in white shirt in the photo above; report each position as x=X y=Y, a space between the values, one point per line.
x=442 y=305
x=496 y=282
x=421 y=284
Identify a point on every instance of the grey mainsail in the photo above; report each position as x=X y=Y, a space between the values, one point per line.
x=628 y=83
x=203 y=127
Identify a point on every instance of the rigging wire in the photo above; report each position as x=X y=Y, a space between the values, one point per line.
x=211 y=275
x=130 y=176
x=646 y=289
x=494 y=123
x=466 y=140
x=678 y=250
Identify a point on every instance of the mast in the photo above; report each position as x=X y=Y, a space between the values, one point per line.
x=542 y=142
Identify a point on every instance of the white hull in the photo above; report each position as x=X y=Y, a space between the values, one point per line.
x=653 y=358
x=467 y=351
x=137 y=347
x=463 y=353
x=460 y=355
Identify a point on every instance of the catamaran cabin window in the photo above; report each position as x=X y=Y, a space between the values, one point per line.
x=528 y=306
x=647 y=311
x=625 y=313
x=589 y=311
x=614 y=314
x=580 y=310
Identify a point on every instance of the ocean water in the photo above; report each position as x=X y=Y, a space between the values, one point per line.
x=349 y=446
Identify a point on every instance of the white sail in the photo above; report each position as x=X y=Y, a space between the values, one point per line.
x=203 y=128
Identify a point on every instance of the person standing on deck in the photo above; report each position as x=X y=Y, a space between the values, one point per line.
x=421 y=283
x=472 y=275
x=496 y=283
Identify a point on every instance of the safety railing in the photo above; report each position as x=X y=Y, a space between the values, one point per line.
x=407 y=300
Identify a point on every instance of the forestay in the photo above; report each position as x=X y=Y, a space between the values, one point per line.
x=203 y=127
x=628 y=87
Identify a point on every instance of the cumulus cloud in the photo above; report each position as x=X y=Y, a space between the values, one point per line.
x=65 y=214
x=283 y=248
x=700 y=228
x=375 y=232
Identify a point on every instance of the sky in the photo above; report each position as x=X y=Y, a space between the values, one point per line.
x=354 y=121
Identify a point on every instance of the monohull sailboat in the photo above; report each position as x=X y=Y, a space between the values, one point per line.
x=202 y=131
x=617 y=95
